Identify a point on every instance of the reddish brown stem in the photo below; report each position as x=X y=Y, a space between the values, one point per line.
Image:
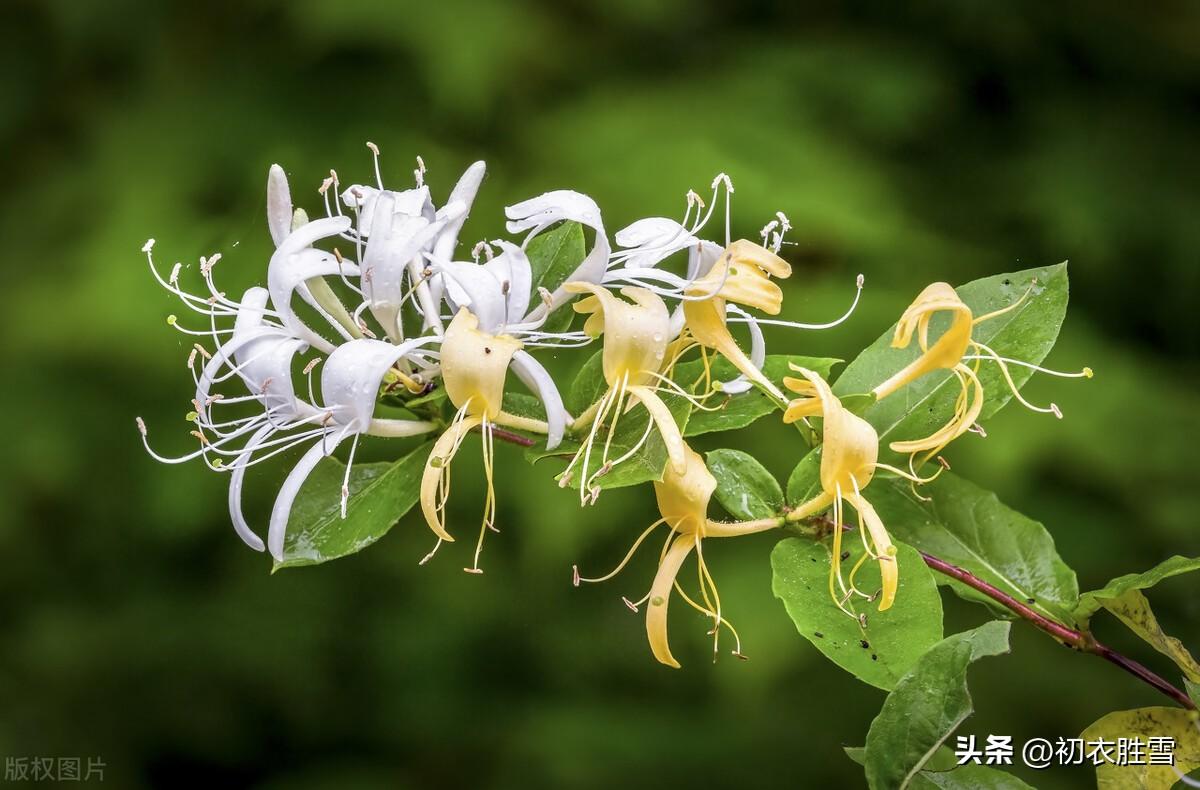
x=1079 y=640
x=511 y=437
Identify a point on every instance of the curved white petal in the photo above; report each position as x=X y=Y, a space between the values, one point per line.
x=702 y=258
x=279 y=205
x=534 y=376
x=353 y=374
x=282 y=510
x=464 y=192
x=512 y=266
x=288 y=269
x=236 y=480
x=411 y=203
x=650 y=240
x=472 y=286
x=538 y=213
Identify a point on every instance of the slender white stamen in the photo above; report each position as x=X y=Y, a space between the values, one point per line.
x=378 y=178
x=797 y=325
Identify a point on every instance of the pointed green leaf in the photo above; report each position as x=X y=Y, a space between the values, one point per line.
x=970 y=527
x=744 y=488
x=553 y=256
x=588 y=385
x=891 y=642
x=1123 y=597
x=1026 y=333
x=1090 y=602
x=1134 y=611
x=1193 y=690
x=380 y=494
x=927 y=705
x=804 y=482
x=1143 y=724
x=738 y=411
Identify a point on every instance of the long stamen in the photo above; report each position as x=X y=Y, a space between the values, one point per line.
x=1051 y=409
x=798 y=325
x=1086 y=373
x=1003 y=310
x=737 y=650
x=375 y=156
x=621 y=565
x=345 y=499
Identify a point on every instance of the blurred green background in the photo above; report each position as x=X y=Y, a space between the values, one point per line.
x=944 y=140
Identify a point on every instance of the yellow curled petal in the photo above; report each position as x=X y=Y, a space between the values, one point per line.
x=665 y=422
x=742 y=275
x=970 y=407
x=889 y=571
x=660 y=597
x=635 y=332
x=437 y=465
x=850 y=447
x=747 y=252
x=683 y=496
x=946 y=352
x=475 y=364
x=706 y=323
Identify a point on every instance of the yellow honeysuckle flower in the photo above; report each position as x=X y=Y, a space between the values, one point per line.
x=951 y=351
x=849 y=459
x=683 y=497
x=474 y=367
x=635 y=343
x=742 y=275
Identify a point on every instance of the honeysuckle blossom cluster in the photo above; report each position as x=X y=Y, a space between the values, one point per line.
x=376 y=303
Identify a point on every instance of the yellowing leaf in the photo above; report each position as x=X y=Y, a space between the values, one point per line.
x=1145 y=723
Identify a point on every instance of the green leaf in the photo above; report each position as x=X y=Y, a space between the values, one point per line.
x=892 y=641
x=1123 y=597
x=380 y=494
x=553 y=256
x=1091 y=602
x=1026 y=333
x=744 y=488
x=643 y=466
x=521 y=404
x=1145 y=723
x=589 y=385
x=738 y=411
x=927 y=705
x=805 y=480
x=1193 y=690
x=942 y=773
x=970 y=527
x=1133 y=610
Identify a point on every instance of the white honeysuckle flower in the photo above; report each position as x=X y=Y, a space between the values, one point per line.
x=395 y=249
x=537 y=214
x=497 y=294
x=394 y=241
x=282 y=219
x=296 y=262
x=259 y=352
x=350 y=383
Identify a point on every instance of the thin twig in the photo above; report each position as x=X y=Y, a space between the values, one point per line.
x=1079 y=640
x=512 y=437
